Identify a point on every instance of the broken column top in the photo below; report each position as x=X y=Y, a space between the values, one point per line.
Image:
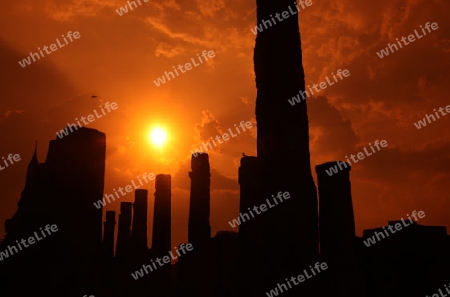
x=110 y=216
x=125 y=207
x=321 y=168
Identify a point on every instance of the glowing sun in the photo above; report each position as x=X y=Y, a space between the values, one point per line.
x=158 y=136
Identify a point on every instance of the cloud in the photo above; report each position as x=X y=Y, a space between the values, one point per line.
x=41 y=81
x=158 y=25
x=69 y=10
x=208 y=127
x=331 y=134
x=166 y=50
x=210 y=8
x=392 y=163
x=172 y=4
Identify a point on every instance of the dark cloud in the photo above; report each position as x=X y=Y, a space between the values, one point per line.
x=35 y=87
x=330 y=133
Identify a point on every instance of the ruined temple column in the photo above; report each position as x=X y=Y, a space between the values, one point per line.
x=161 y=239
x=199 y=229
x=108 y=234
x=251 y=230
x=291 y=241
x=124 y=230
x=337 y=229
x=139 y=229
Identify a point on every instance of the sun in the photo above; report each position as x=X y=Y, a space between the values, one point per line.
x=158 y=136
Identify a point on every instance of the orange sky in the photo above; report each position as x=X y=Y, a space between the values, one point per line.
x=118 y=57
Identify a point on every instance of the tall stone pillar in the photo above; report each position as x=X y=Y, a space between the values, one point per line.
x=139 y=229
x=251 y=230
x=161 y=239
x=124 y=230
x=292 y=241
x=108 y=234
x=199 y=229
x=337 y=229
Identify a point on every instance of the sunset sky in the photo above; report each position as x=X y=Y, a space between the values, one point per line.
x=117 y=58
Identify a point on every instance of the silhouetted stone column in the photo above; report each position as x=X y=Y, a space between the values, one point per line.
x=199 y=229
x=251 y=230
x=161 y=239
x=337 y=229
x=249 y=181
x=283 y=149
x=108 y=234
x=77 y=162
x=139 y=229
x=199 y=232
x=109 y=274
x=124 y=230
